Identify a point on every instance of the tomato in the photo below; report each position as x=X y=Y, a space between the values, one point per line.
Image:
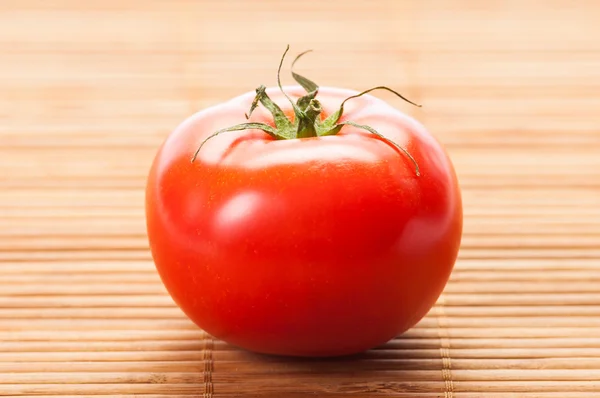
x=303 y=243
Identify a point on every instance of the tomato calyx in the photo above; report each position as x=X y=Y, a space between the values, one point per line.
x=307 y=110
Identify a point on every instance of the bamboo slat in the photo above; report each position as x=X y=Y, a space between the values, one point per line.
x=90 y=89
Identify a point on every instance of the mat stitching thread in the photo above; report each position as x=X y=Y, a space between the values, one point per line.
x=445 y=349
x=208 y=365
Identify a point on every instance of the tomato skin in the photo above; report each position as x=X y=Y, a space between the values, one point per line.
x=308 y=247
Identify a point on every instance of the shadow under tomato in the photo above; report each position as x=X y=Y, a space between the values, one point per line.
x=401 y=367
x=411 y=351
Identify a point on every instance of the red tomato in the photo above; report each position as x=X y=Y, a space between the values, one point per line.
x=317 y=246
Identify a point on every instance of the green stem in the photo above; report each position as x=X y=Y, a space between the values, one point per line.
x=307 y=125
x=307 y=110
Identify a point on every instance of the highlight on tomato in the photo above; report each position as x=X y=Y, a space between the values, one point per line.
x=303 y=220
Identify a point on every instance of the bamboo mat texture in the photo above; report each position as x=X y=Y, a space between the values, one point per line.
x=89 y=90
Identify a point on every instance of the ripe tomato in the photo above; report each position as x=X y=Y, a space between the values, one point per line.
x=305 y=243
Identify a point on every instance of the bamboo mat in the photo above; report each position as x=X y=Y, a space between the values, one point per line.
x=88 y=90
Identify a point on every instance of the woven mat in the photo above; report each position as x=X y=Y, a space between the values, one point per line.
x=88 y=90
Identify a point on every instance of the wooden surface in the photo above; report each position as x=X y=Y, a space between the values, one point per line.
x=89 y=89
